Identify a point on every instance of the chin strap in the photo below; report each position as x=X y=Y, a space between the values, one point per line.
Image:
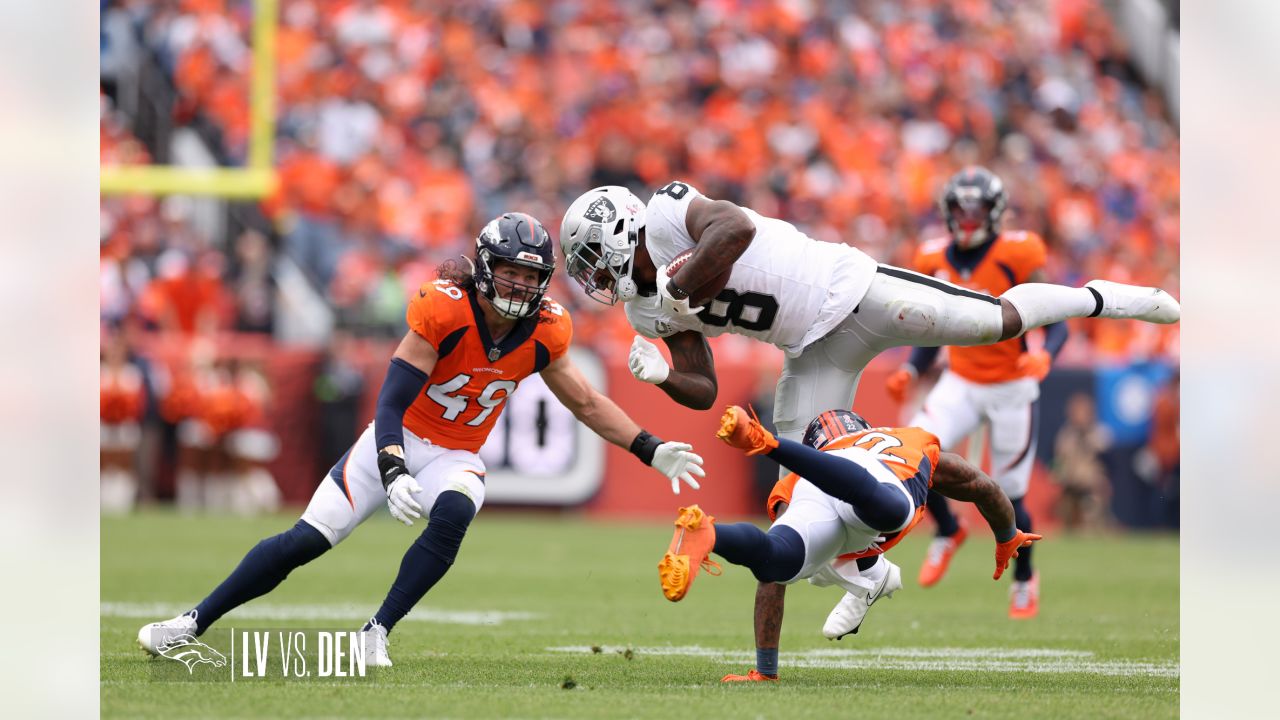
x=626 y=289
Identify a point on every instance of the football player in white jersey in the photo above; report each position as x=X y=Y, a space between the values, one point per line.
x=829 y=307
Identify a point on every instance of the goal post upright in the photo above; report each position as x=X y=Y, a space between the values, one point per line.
x=254 y=180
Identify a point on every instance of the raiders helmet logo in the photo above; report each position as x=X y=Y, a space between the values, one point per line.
x=601 y=211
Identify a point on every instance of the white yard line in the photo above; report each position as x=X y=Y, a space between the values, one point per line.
x=346 y=612
x=928 y=659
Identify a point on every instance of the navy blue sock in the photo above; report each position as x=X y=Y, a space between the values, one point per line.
x=261 y=570
x=879 y=505
x=1022 y=564
x=430 y=556
x=767 y=661
x=774 y=556
x=942 y=515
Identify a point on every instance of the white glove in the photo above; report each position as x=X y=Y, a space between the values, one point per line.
x=674 y=460
x=646 y=362
x=400 y=499
x=670 y=305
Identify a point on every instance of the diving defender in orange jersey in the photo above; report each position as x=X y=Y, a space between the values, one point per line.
x=472 y=338
x=854 y=492
x=997 y=383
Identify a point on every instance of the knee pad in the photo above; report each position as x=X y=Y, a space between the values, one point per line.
x=447 y=525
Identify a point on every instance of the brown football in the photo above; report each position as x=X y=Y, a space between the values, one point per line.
x=706 y=293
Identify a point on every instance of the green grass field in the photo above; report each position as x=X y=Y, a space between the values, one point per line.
x=518 y=615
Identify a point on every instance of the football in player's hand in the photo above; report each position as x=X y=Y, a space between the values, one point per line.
x=706 y=293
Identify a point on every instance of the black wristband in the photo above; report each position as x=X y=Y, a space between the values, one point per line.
x=388 y=465
x=676 y=291
x=644 y=446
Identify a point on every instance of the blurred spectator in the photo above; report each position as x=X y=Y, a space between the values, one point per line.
x=121 y=405
x=253 y=284
x=338 y=390
x=1078 y=467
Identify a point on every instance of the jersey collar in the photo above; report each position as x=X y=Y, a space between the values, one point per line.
x=966 y=261
x=522 y=331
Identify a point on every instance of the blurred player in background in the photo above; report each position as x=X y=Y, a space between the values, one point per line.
x=854 y=492
x=828 y=306
x=121 y=404
x=473 y=336
x=998 y=384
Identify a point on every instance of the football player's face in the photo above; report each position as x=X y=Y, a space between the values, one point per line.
x=517 y=274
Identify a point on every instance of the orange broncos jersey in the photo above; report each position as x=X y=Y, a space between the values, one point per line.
x=911 y=453
x=1009 y=260
x=473 y=376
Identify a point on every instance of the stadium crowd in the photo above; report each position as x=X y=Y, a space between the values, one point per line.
x=404 y=124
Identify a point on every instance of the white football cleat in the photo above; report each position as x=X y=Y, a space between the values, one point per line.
x=158 y=634
x=1131 y=301
x=375 y=645
x=847 y=615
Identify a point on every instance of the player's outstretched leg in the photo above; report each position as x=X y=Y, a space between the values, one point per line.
x=1040 y=304
x=261 y=570
x=774 y=556
x=1024 y=594
x=424 y=563
x=951 y=534
x=882 y=505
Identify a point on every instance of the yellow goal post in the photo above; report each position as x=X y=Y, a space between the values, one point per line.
x=257 y=178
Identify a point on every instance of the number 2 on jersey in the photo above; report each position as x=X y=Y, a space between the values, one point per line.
x=885 y=442
x=455 y=405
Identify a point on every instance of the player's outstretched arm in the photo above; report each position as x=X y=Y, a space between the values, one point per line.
x=692 y=382
x=959 y=479
x=673 y=459
x=410 y=367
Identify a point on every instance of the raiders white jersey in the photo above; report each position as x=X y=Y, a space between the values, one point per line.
x=787 y=289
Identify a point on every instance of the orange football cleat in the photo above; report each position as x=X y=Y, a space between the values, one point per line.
x=752 y=675
x=941 y=550
x=1024 y=599
x=690 y=545
x=745 y=432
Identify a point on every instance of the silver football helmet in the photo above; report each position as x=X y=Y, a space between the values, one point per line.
x=598 y=236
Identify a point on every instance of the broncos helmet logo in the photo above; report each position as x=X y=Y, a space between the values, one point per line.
x=189 y=651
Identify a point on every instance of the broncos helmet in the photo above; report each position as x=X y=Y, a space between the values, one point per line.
x=972 y=204
x=831 y=425
x=517 y=238
x=598 y=235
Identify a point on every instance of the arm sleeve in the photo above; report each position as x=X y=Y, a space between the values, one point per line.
x=1055 y=336
x=399 y=389
x=922 y=358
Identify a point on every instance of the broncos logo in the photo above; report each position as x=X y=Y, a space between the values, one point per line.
x=189 y=651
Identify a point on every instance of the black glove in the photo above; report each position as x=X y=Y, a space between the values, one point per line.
x=390 y=466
